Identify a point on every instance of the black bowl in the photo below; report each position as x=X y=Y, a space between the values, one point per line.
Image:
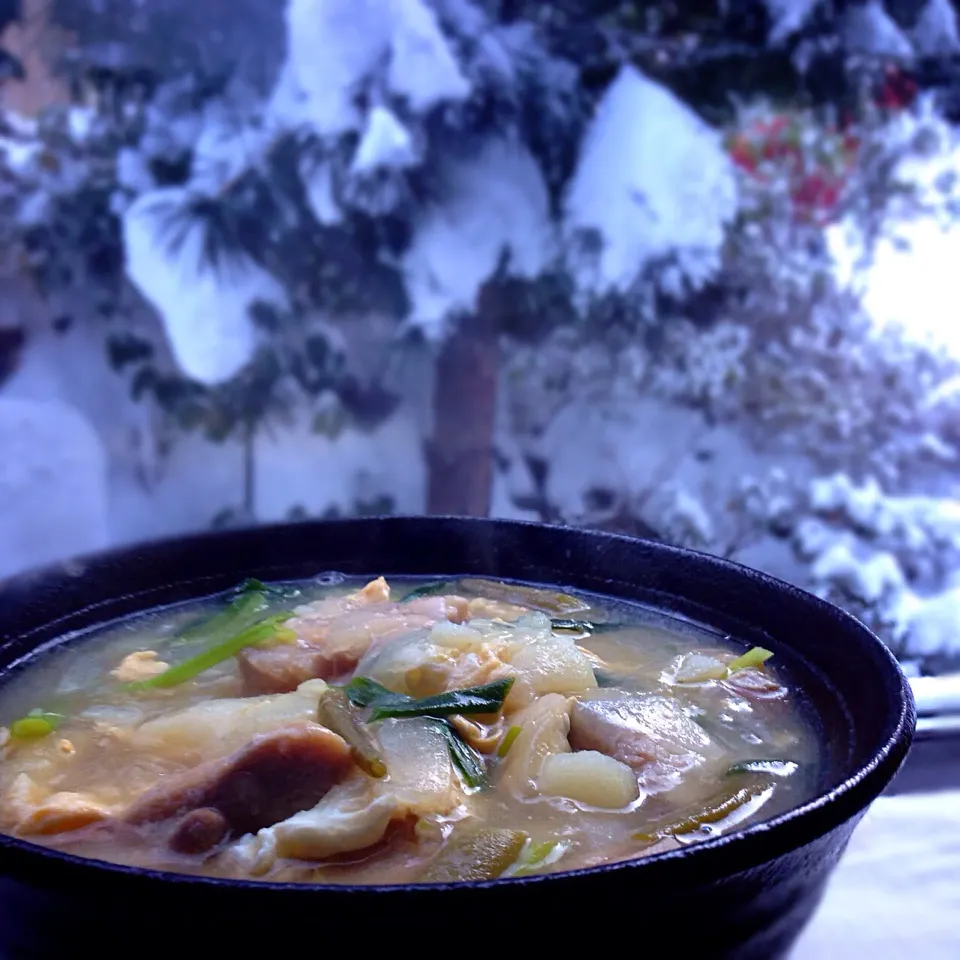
x=745 y=895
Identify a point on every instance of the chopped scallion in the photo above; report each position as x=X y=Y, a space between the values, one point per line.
x=36 y=724
x=754 y=657
x=507 y=742
x=194 y=666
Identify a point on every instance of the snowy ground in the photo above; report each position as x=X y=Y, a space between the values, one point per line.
x=895 y=894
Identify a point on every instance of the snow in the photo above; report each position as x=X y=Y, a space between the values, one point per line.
x=905 y=281
x=205 y=312
x=133 y=171
x=53 y=485
x=158 y=488
x=172 y=124
x=871 y=539
x=317 y=177
x=934 y=695
x=881 y=514
x=332 y=45
x=80 y=121
x=356 y=37
x=493 y=200
x=20 y=156
x=686 y=519
x=868 y=579
x=654 y=181
x=385 y=143
x=930 y=624
x=232 y=138
x=935 y=32
x=909 y=284
x=293 y=468
x=895 y=893
x=868 y=28
x=787 y=17
x=423 y=69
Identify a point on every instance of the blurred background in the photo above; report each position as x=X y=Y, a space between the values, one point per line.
x=683 y=270
x=680 y=270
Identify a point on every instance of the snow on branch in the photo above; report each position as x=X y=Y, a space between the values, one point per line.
x=653 y=182
x=492 y=203
x=335 y=47
x=206 y=312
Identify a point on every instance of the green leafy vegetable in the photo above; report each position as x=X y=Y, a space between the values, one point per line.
x=427 y=590
x=36 y=724
x=465 y=758
x=363 y=692
x=333 y=711
x=535 y=856
x=484 y=699
x=709 y=815
x=769 y=768
x=188 y=669
x=754 y=657
x=280 y=591
x=507 y=742
x=475 y=855
x=251 y=601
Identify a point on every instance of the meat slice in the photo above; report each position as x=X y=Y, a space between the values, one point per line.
x=199 y=831
x=331 y=640
x=650 y=733
x=275 y=776
x=282 y=669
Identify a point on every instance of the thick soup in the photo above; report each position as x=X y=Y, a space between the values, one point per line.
x=332 y=732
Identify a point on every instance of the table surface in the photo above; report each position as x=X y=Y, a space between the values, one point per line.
x=896 y=893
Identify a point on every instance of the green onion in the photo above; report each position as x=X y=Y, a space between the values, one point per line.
x=251 y=599
x=484 y=699
x=709 y=815
x=507 y=742
x=36 y=724
x=277 y=590
x=363 y=692
x=238 y=613
x=475 y=855
x=535 y=856
x=465 y=758
x=333 y=711
x=427 y=590
x=769 y=768
x=754 y=657
x=188 y=669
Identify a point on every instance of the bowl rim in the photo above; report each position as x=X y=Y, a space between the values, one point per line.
x=719 y=856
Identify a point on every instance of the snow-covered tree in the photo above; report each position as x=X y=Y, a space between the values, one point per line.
x=569 y=206
x=444 y=163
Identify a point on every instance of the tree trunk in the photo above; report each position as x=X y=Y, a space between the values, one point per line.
x=39 y=44
x=249 y=471
x=460 y=455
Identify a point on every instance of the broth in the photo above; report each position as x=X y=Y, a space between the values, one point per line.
x=332 y=731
